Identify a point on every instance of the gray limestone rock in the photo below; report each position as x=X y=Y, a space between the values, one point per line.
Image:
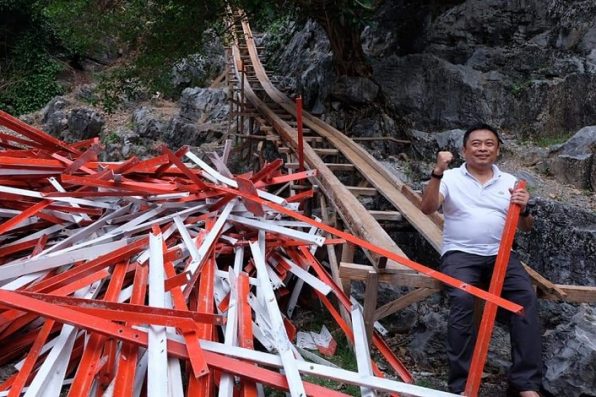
x=83 y=124
x=147 y=124
x=55 y=116
x=197 y=69
x=308 y=60
x=562 y=244
x=573 y=162
x=571 y=362
x=180 y=132
x=355 y=90
x=201 y=104
x=425 y=146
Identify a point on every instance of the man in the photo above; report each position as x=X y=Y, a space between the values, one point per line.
x=475 y=198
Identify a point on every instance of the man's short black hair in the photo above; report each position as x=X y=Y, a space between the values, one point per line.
x=481 y=126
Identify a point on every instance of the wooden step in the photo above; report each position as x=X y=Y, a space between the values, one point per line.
x=362 y=191
x=321 y=152
x=387 y=215
x=331 y=166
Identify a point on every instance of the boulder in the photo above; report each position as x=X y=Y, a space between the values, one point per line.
x=307 y=59
x=562 y=243
x=55 y=116
x=425 y=146
x=180 y=132
x=573 y=162
x=354 y=90
x=198 y=69
x=147 y=124
x=571 y=361
x=201 y=104
x=83 y=124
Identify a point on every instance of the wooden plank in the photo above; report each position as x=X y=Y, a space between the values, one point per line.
x=387 y=215
x=370 y=303
x=319 y=151
x=356 y=272
x=362 y=191
x=574 y=293
x=381 y=138
x=331 y=166
x=545 y=285
x=403 y=302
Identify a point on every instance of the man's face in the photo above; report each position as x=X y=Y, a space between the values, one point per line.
x=481 y=149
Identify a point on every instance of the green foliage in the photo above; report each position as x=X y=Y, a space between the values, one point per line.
x=27 y=70
x=518 y=88
x=39 y=37
x=28 y=80
x=116 y=87
x=280 y=34
x=157 y=34
x=112 y=137
x=546 y=141
x=174 y=31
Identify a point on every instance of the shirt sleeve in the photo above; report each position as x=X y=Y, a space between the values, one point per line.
x=443 y=188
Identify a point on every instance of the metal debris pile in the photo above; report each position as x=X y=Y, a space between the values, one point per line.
x=162 y=277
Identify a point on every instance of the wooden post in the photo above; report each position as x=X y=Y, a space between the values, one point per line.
x=370 y=303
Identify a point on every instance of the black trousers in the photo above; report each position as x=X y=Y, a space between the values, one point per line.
x=526 y=369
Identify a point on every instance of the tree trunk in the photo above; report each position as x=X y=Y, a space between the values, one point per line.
x=343 y=35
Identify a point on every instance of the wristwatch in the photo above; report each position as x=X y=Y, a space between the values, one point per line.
x=526 y=212
x=433 y=175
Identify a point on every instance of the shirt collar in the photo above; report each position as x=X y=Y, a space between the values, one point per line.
x=496 y=172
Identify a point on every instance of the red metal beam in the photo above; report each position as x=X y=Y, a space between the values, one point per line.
x=487 y=323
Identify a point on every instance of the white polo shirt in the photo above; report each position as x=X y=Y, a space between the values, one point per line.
x=474 y=213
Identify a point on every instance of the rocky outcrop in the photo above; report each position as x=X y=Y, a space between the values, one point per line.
x=571 y=360
x=201 y=104
x=84 y=124
x=528 y=67
x=198 y=69
x=425 y=146
x=562 y=244
x=71 y=124
x=354 y=90
x=513 y=64
x=203 y=112
x=573 y=162
x=55 y=116
x=307 y=59
x=147 y=124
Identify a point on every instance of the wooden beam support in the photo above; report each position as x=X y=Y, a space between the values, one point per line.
x=395 y=216
x=370 y=303
x=356 y=272
x=403 y=302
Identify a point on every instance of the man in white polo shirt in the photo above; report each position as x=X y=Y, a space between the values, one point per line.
x=475 y=198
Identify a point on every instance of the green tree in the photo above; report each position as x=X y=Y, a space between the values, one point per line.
x=342 y=21
x=41 y=38
x=27 y=69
